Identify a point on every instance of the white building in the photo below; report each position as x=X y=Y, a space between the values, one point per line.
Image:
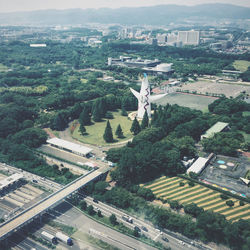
x=191 y=37
x=198 y=165
x=69 y=146
x=38 y=45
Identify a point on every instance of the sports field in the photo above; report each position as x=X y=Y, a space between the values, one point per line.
x=187 y=100
x=169 y=188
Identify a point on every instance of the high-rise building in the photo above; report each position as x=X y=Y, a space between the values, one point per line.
x=161 y=38
x=191 y=37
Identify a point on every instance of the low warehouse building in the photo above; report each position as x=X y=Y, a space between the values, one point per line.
x=216 y=128
x=69 y=146
x=198 y=165
x=9 y=181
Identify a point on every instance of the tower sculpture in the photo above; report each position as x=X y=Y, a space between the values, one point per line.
x=144 y=98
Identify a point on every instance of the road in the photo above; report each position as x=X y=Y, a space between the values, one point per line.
x=20 y=219
x=20 y=242
x=175 y=242
x=46 y=183
x=67 y=214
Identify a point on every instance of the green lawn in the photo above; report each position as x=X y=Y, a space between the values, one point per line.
x=241 y=65
x=95 y=132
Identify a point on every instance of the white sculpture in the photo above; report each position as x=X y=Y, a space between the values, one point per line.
x=144 y=98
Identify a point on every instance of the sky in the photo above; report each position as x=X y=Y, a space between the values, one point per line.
x=28 y=5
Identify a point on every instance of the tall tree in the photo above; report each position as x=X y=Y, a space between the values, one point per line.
x=108 y=135
x=119 y=132
x=135 y=128
x=96 y=112
x=82 y=129
x=124 y=112
x=84 y=118
x=145 y=120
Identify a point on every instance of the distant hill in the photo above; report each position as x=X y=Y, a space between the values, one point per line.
x=156 y=15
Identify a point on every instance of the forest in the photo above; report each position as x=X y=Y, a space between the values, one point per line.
x=44 y=87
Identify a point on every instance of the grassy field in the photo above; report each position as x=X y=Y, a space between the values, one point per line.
x=208 y=199
x=3 y=67
x=95 y=132
x=187 y=100
x=241 y=65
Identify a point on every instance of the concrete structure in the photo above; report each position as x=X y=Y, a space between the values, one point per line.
x=7 y=182
x=198 y=165
x=191 y=37
x=144 y=98
x=216 y=128
x=36 y=45
x=42 y=206
x=161 y=38
x=69 y=146
x=134 y=63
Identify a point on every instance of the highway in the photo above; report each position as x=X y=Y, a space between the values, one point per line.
x=153 y=233
x=37 y=209
x=44 y=182
x=67 y=214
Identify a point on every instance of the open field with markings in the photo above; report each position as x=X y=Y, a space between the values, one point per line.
x=178 y=189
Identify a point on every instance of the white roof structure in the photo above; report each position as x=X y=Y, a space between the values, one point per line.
x=10 y=180
x=198 y=165
x=73 y=147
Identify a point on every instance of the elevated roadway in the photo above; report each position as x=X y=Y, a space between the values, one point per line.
x=41 y=207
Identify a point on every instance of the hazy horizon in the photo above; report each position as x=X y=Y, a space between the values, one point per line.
x=30 y=5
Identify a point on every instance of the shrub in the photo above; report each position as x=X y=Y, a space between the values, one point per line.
x=191 y=184
x=109 y=115
x=230 y=203
x=223 y=196
x=242 y=203
x=175 y=205
x=182 y=184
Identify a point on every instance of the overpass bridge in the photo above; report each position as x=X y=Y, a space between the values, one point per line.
x=42 y=206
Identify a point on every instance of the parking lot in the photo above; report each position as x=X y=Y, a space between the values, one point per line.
x=211 y=86
x=18 y=197
x=226 y=172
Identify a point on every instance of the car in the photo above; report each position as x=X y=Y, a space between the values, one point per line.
x=137 y=229
x=165 y=238
x=144 y=229
x=95 y=200
x=159 y=231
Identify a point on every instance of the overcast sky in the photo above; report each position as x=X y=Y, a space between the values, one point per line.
x=27 y=5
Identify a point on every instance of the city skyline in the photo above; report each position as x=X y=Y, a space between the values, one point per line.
x=28 y=5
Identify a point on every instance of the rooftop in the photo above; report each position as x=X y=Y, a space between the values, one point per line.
x=198 y=165
x=216 y=128
x=9 y=180
x=77 y=148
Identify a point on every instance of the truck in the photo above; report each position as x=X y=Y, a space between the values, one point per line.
x=64 y=238
x=49 y=237
x=127 y=218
